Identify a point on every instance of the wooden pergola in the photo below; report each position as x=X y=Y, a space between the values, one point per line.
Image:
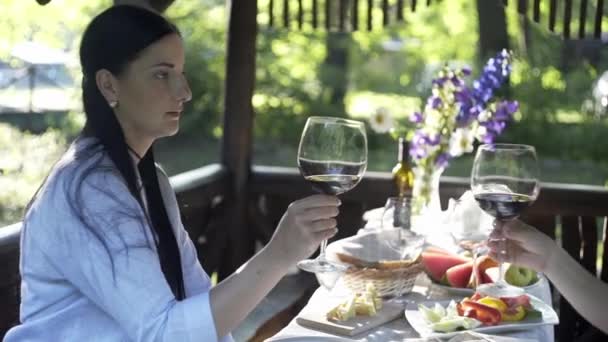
x=228 y=206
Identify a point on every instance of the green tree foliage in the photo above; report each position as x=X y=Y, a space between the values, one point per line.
x=25 y=160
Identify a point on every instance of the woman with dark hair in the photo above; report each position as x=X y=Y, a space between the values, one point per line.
x=104 y=255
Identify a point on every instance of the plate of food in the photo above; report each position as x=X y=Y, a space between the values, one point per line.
x=454 y=273
x=479 y=313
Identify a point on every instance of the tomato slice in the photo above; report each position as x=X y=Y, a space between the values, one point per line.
x=483 y=313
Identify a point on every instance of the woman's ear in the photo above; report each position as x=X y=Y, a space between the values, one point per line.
x=108 y=86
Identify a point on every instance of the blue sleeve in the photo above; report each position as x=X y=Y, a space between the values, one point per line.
x=114 y=262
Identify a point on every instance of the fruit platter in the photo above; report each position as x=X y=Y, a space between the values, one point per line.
x=455 y=272
x=479 y=313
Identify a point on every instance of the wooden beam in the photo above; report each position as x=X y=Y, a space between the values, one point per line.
x=567 y=18
x=271 y=13
x=238 y=126
x=536 y=11
x=286 y=13
x=315 y=14
x=328 y=15
x=552 y=15
x=342 y=15
x=370 y=9
x=355 y=15
x=599 y=10
x=300 y=14
x=582 y=20
x=385 y=20
x=156 y=5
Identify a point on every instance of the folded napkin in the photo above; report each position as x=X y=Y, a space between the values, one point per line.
x=368 y=246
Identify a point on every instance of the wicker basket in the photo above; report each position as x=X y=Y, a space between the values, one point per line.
x=370 y=260
x=388 y=281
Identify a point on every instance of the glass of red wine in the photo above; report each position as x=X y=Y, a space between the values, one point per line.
x=332 y=157
x=504 y=181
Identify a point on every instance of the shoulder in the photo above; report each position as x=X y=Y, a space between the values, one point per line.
x=83 y=181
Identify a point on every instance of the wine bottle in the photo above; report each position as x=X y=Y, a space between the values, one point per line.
x=403 y=176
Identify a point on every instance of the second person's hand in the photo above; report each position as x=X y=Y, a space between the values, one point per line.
x=525 y=245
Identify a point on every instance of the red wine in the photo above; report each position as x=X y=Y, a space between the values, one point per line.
x=503 y=206
x=333 y=184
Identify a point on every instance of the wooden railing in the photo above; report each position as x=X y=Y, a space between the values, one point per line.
x=203 y=203
x=353 y=15
x=574 y=211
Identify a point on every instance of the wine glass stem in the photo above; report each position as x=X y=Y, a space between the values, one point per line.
x=322 y=251
x=502 y=250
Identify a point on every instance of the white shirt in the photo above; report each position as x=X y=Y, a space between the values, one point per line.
x=71 y=289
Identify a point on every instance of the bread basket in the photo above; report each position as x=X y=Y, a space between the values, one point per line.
x=370 y=259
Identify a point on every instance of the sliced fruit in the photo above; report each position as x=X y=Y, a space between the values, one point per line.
x=523 y=300
x=514 y=314
x=494 y=302
x=483 y=263
x=433 y=249
x=459 y=275
x=483 y=313
x=436 y=264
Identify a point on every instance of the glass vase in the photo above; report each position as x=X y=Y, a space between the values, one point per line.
x=426 y=209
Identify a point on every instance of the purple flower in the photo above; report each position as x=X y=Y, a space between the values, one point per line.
x=439 y=81
x=435 y=102
x=433 y=140
x=442 y=160
x=466 y=71
x=457 y=82
x=416 y=117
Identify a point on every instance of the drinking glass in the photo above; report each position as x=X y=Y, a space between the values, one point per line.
x=504 y=181
x=467 y=229
x=332 y=156
x=397 y=228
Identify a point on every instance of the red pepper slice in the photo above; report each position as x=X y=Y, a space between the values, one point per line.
x=476 y=296
x=483 y=313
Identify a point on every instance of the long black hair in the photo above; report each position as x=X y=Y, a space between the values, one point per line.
x=112 y=40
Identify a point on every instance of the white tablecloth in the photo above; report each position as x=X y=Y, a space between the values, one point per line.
x=399 y=329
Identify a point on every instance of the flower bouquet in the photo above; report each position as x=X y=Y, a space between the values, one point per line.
x=454 y=117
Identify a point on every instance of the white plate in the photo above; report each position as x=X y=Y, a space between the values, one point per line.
x=465 y=292
x=458 y=291
x=549 y=317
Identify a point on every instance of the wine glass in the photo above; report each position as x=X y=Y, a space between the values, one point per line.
x=333 y=157
x=398 y=235
x=504 y=181
x=468 y=229
x=397 y=227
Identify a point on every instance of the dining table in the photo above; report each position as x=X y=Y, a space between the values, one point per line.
x=400 y=329
x=423 y=290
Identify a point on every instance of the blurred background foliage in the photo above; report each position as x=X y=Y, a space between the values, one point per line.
x=307 y=72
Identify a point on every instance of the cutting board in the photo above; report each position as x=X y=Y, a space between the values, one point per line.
x=315 y=318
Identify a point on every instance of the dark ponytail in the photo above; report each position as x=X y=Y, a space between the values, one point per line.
x=111 y=41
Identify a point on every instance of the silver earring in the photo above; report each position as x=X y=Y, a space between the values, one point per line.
x=113 y=104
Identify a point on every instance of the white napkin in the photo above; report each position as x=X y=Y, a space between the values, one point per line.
x=464 y=217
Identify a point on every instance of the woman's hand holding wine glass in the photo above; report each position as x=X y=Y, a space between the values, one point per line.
x=332 y=156
x=504 y=181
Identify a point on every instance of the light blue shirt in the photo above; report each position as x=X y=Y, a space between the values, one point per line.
x=72 y=290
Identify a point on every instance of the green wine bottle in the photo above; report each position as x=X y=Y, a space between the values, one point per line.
x=403 y=176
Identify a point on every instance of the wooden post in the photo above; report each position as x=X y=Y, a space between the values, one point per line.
x=238 y=128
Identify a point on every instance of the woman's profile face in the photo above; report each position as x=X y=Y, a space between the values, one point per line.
x=152 y=90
